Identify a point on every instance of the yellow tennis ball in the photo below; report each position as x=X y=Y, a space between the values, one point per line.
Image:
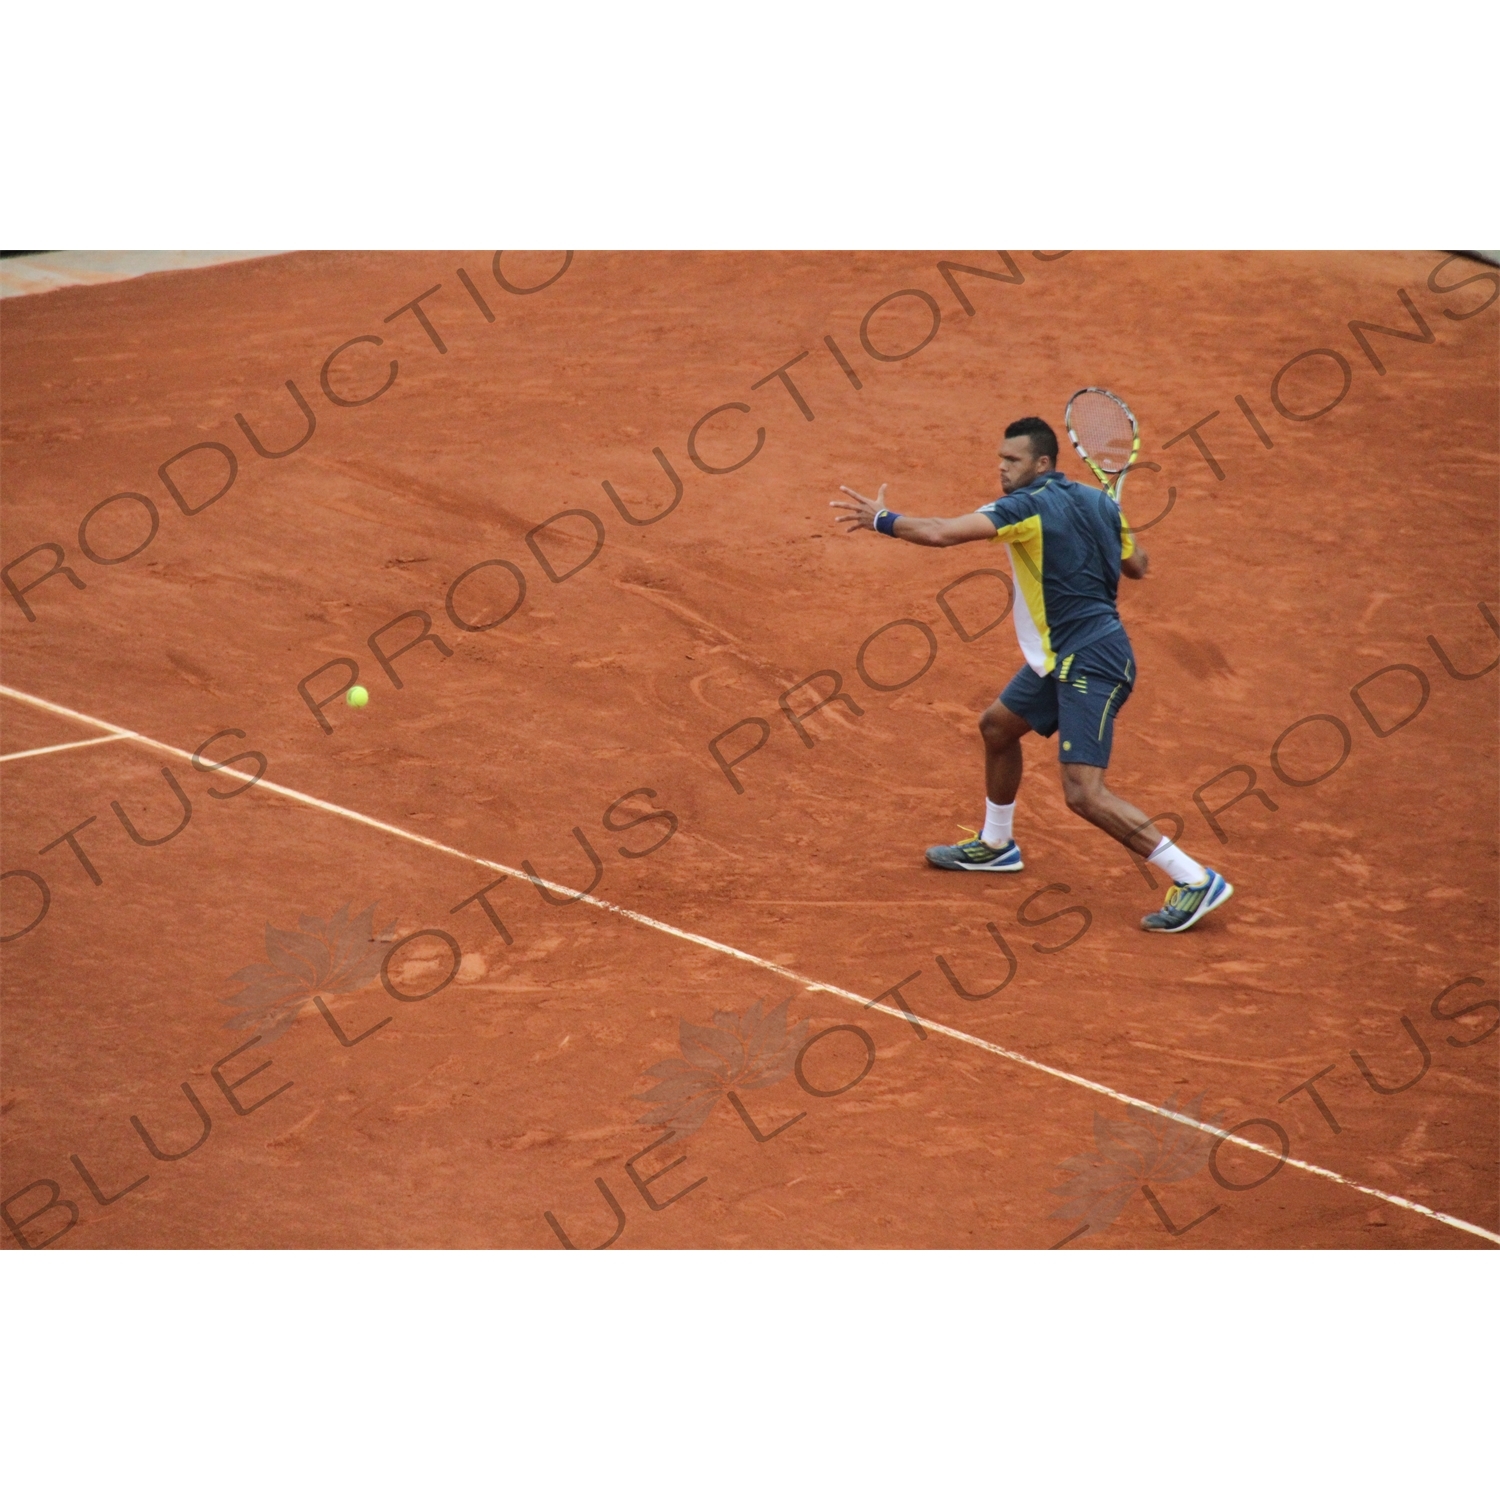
x=357 y=697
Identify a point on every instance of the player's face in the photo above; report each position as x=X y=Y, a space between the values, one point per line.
x=1018 y=464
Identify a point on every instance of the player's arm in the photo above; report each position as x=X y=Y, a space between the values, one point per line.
x=924 y=531
x=1133 y=559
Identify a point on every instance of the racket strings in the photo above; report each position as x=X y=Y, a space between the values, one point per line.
x=1102 y=430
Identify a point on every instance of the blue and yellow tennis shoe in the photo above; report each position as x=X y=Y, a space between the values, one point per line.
x=1185 y=904
x=976 y=855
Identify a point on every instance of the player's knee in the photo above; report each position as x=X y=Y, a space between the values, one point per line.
x=997 y=733
x=1081 y=798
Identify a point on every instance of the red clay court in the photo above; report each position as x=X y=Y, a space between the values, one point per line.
x=566 y=518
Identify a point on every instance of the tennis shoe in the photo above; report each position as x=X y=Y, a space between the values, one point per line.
x=1185 y=904
x=975 y=854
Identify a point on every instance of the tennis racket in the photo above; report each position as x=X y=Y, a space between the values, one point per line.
x=1106 y=435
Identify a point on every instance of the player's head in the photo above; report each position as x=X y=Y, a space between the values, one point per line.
x=1029 y=449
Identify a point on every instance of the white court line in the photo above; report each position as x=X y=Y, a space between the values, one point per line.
x=813 y=986
x=103 y=739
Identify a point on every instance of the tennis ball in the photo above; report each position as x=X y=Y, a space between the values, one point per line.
x=357 y=697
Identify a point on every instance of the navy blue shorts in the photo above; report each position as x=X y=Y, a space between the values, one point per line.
x=1081 y=698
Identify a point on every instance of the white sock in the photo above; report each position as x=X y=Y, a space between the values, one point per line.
x=1183 y=868
x=996 y=831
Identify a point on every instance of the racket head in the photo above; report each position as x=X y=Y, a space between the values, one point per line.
x=1104 y=431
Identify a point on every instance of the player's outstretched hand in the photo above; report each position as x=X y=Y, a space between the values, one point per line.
x=861 y=515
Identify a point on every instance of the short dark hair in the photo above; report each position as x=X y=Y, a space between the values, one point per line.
x=1043 y=439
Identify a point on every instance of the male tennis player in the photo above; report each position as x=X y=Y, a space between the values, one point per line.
x=1068 y=546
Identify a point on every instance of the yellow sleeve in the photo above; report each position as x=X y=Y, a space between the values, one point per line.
x=1019 y=531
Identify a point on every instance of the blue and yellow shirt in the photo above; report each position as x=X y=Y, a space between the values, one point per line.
x=1066 y=543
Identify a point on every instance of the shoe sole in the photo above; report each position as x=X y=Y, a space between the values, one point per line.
x=1007 y=869
x=1198 y=915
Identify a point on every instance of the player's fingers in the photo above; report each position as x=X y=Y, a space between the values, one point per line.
x=880 y=496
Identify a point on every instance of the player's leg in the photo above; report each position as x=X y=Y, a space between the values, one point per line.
x=1002 y=731
x=1099 y=683
x=1029 y=702
x=1088 y=796
x=1196 y=890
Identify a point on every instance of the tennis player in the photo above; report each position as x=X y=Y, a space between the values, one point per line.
x=1068 y=545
